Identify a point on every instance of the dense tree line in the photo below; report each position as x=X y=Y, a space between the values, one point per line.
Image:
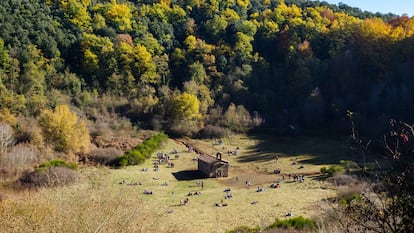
x=183 y=66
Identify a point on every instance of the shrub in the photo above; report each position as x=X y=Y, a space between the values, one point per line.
x=349 y=197
x=296 y=223
x=57 y=163
x=141 y=152
x=245 y=229
x=343 y=179
x=213 y=131
x=104 y=156
x=7 y=117
x=185 y=127
x=20 y=155
x=332 y=170
x=50 y=176
x=349 y=165
x=111 y=125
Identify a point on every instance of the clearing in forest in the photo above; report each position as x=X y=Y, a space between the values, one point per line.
x=113 y=200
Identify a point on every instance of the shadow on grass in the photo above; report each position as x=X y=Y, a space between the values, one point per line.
x=315 y=150
x=188 y=175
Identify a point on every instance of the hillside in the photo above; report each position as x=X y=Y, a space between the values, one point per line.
x=230 y=64
x=84 y=82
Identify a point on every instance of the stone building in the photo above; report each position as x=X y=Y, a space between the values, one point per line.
x=212 y=166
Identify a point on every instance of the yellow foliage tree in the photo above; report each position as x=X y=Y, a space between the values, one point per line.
x=144 y=65
x=64 y=130
x=77 y=12
x=121 y=15
x=243 y=3
x=190 y=42
x=186 y=106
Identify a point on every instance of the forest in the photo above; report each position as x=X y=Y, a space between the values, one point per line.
x=189 y=67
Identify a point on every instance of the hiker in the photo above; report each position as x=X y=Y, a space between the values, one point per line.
x=202 y=185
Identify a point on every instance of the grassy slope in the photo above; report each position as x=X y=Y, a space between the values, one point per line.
x=101 y=204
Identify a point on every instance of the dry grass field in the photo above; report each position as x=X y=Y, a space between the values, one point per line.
x=107 y=200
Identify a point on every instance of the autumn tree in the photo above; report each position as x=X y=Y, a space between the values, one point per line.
x=237 y=118
x=76 y=12
x=119 y=15
x=63 y=129
x=186 y=115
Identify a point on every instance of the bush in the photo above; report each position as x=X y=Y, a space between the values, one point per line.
x=245 y=229
x=299 y=223
x=213 y=131
x=332 y=170
x=349 y=165
x=111 y=125
x=141 y=152
x=104 y=156
x=48 y=177
x=343 y=179
x=20 y=155
x=187 y=128
x=57 y=163
x=349 y=197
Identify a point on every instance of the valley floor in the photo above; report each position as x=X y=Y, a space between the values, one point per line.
x=113 y=200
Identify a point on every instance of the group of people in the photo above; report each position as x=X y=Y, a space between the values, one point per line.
x=298 y=178
x=196 y=193
x=164 y=158
x=275 y=185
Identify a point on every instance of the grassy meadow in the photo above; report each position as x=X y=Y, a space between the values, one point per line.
x=106 y=200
